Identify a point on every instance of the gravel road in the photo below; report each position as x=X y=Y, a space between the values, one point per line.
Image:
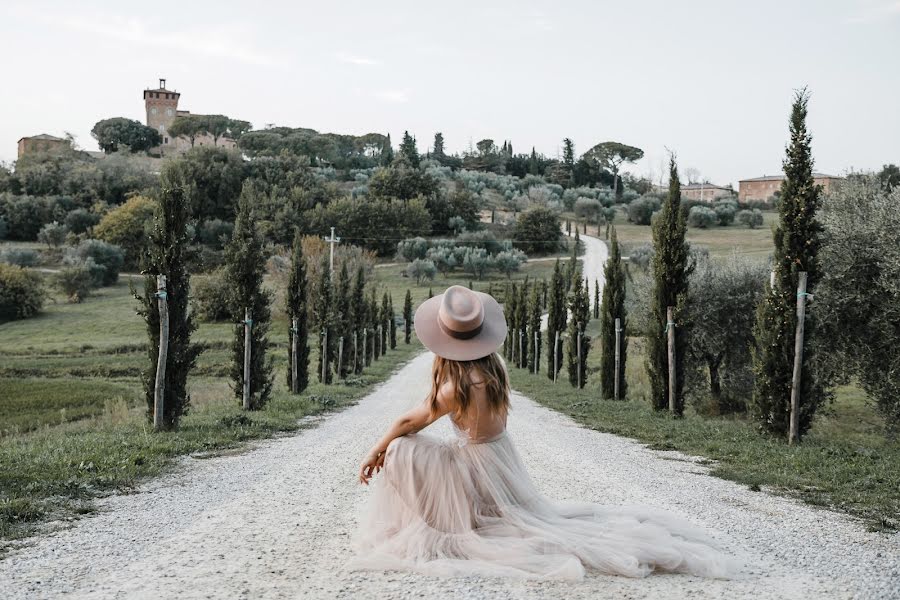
x=276 y=522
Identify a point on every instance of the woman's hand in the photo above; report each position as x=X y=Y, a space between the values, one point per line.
x=372 y=464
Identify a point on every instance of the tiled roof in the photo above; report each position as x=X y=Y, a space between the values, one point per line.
x=42 y=136
x=780 y=177
x=705 y=186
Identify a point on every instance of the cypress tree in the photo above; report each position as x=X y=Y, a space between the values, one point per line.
x=534 y=326
x=323 y=317
x=168 y=254
x=387 y=152
x=556 y=318
x=296 y=308
x=512 y=316
x=581 y=314
x=407 y=316
x=245 y=264
x=522 y=323
x=393 y=322
x=409 y=150
x=343 y=322
x=374 y=321
x=671 y=268
x=358 y=310
x=596 y=298
x=796 y=249
x=612 y=308
x=571 y=267
x=384 y=316
x=430 y=293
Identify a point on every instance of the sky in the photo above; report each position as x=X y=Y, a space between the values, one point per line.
x=711 y=81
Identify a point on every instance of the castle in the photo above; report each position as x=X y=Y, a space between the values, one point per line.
x=161 y=105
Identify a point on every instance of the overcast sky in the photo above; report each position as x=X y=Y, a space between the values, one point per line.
x=711 y=80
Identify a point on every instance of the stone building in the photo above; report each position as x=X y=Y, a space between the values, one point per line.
x=161 y=105
x=41 y=143
x=764 y=188
x=705 y=192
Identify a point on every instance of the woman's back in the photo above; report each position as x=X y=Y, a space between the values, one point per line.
x=480 y=422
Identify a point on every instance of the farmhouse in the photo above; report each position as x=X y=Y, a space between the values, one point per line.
x=764 y=188
x=705 y=192
x=161 y=105
x=41 y=143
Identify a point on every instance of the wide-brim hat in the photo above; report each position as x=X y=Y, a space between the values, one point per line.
x=461 y=324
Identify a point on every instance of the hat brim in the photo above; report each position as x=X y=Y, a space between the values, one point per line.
x=487 y=341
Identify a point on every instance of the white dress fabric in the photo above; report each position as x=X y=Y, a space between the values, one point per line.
x=466 y=506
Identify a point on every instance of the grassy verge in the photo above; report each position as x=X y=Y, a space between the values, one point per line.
x=845 y=463
x=55 y=471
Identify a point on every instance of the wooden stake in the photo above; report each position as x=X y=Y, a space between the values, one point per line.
x=365 y=347
x=295 y=348
x=159 y=388
x=523 y=353
x=248 y=324
x=794 y=434
x=355 y=350
x=578 y=366
x=537 y=353
x=324 y=357
x=670 y=329
x=618 y=359
x=340 y=368
x=556 y=357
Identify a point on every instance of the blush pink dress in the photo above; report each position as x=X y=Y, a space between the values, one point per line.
x=467 y=506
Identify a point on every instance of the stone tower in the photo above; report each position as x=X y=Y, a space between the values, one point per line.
x=162 y=108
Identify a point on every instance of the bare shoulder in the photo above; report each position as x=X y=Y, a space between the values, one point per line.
x=446 y=396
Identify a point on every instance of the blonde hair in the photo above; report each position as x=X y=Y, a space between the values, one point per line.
x=459 y=373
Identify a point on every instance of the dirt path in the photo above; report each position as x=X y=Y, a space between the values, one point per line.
x=276 y=522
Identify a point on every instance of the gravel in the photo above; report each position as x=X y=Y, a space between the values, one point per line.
x=276 y=522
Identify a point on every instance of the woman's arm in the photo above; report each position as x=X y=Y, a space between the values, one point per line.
x=414 y=420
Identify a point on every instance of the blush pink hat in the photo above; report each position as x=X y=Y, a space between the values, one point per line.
x=461 y=324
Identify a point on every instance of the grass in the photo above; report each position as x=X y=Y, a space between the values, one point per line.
x=845 y=462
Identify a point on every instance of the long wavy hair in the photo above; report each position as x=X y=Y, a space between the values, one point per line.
x=459 y=372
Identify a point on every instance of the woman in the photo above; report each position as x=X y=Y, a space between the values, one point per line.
x=468 y=507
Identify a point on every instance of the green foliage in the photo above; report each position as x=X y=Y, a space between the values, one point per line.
x=720 y=310
x=407 y=316
x=359 y=310
x=245 y=265
x=80 y=220
x=126 y=226
x=533 y=326
x=889 y=177
x=750 y=218
x=587 y=208
x=53 y=234
x=119 y=132
x=296 y=308
x=324 y=320
x=392 y=317
x=213 y=178
x=215 y=232
x=21 y=257
x=671 y=267
x=613 y=307
x=641 y=210
x=344 y=325
x=108 y=257
x=611 y=155
x=4 y=228
x=25 y=215
x=77 y=281
x=579 y=307
x=476 y=261
x=537 y=231
x=21 y=293
x=408 y=149
x=168 y=254
x=858 y=299
x=421 y=269
x=211 y=297
x=509 y=261
x=796 y=249
x=702 y=217
x=725 y=212
x=556 y=318
x=402 y=181
x=410 y=250
x=357 y=220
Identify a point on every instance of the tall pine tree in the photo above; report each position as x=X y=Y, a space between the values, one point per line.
x=611 y=308
x=393 y=322
x=556 y=319
x=343 y=322
x=596 y=298
x=323 y=318
x=387 y=152
x=671 y=268
x=297 y=309
x=522 y=325
x=796 y=249
x=512 y=315
x=245 y=264
x=374 y=322
x=167 y=254
x=581 y=314
x=358 y=310
x=407 y=317
x=534 y=327
x=409 y=150
x=384 y=320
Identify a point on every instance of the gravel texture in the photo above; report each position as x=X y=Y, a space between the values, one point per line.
x=276 y=522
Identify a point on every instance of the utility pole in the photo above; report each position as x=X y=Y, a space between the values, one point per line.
x=332 y=240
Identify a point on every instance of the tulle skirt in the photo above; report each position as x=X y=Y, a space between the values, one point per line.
x=445 y=508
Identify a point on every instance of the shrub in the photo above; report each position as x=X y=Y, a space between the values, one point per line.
x=80 y=220
x=25 y=215
x=751 y=218
x=107 y=258
x=126 y=226
x=641 y=255
x=477 y=261
x=725 y=213
x=53 y=234
x=3 y=228
x=482 y=239
x=509 y=261
x=702 y=217
x=21 y=293
x=443 y=257
x=640 y=211
x=421 y=269
x=537 y=231
x=412 y=249
x=210 y=295
x=587 y=208
x=77 y=281
x=21 y=257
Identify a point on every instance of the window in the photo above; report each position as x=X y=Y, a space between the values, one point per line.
x=165 y=140
x=162 y=128
x=153 y=110
x=169 y=112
